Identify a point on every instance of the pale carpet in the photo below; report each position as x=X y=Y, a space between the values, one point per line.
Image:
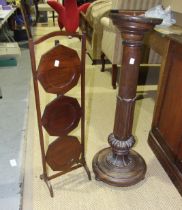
x=73 y=191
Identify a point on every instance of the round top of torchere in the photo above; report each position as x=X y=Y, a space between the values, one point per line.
x=133 y=21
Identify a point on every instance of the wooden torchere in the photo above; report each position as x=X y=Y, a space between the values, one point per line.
x=118 y=165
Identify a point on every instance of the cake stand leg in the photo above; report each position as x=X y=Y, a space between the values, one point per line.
x=44 y=177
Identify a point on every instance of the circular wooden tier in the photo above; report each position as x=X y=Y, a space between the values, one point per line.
x=63 y=153
x=61 y=116
x=59 y=69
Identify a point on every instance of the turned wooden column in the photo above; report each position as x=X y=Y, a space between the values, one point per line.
x=118 y=165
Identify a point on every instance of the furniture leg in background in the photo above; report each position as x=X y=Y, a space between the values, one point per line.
x=1 y=94
x=118 y=165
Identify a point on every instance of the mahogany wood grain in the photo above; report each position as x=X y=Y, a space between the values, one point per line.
x=63 y=153
x=61 y=116
x=59 y=69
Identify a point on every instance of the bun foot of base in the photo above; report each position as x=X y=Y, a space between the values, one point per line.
x=97 y=178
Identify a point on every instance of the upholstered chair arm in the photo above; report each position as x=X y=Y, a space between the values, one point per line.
x=97 y=10
x=107 y=24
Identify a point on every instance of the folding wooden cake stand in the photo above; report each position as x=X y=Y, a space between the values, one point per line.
x=118 y=165
x=58 y=72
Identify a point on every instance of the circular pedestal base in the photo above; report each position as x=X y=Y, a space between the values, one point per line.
x=120 y=175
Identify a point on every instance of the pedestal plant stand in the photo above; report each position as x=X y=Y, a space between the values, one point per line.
x=118 y=165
